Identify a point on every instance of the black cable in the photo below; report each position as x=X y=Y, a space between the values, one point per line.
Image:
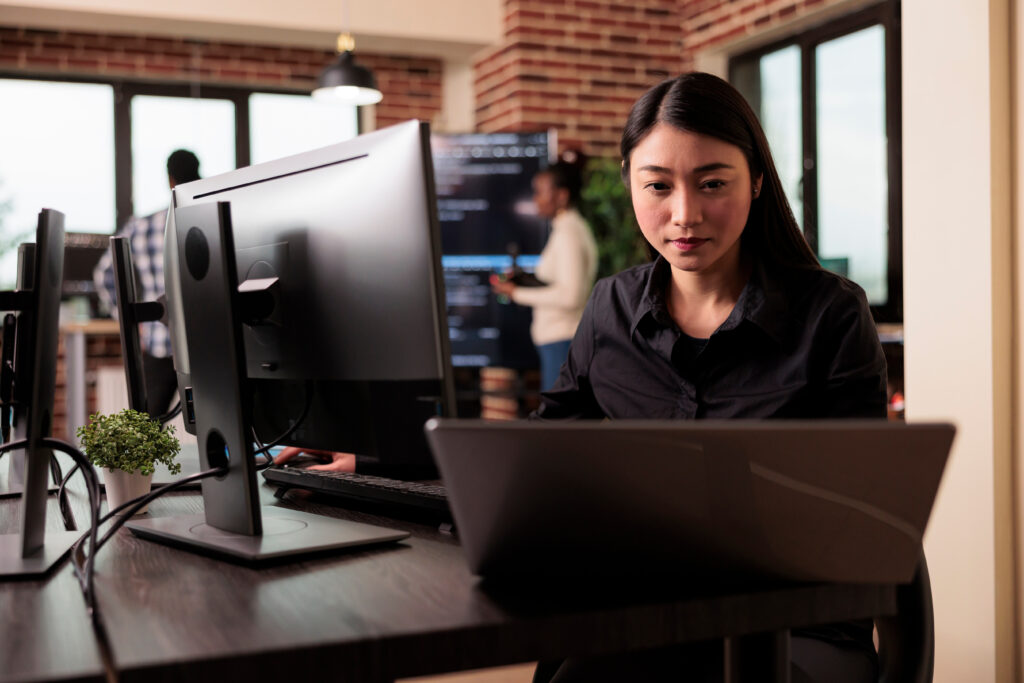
x=55 y=470
x=136 y=504
x=84 y=564
x=62 y=500
x=170 y=415
x=93 y=489
x=65 y=508
x=262 y=450
x=295 y=425
x=13 y=445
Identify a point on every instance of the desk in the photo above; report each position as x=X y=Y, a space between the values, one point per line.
x=369 y=615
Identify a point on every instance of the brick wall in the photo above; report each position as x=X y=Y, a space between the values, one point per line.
x=578 y=65
x=411 y=85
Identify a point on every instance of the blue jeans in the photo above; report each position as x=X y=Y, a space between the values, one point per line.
x=551 y=358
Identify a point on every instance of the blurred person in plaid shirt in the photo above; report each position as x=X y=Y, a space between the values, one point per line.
x=146 y=236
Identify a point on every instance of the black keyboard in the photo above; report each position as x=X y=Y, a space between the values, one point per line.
x=413 y=495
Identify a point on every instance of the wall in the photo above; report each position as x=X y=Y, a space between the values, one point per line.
x=411 y=85
x=958 y=322
x=578 y=65
x=452 y=29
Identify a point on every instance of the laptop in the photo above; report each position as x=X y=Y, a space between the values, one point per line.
x=838 y=501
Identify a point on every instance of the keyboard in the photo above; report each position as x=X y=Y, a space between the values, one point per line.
x=413 y=496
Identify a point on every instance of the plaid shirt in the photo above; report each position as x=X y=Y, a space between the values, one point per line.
x=146 y=236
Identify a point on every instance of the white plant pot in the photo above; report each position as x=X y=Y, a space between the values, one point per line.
x=123 y=486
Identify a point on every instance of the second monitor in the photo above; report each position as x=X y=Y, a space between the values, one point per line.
x=357 y=310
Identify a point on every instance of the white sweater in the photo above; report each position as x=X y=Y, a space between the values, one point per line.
x=567 y=265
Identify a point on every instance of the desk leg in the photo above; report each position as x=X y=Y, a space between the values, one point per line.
x=75 y=397
x=757 y=657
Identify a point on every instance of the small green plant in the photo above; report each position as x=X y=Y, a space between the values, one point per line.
x=129 y=441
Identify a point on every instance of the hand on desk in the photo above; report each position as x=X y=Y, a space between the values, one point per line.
x=332 y=461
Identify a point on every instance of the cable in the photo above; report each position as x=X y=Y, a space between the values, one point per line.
x=13 y=445
x=84 y=564
x=169 y=415
x=262 y=450
x=136 y=504
x=65 y=508
x=62 y=497
x=291 y=430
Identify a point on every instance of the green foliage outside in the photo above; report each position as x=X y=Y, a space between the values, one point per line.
x=129 y=441
x=606 y=205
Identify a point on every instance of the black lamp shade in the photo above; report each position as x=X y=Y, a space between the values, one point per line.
x=344 y=79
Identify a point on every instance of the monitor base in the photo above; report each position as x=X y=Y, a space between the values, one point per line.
x=38 y=564
x=286 y=534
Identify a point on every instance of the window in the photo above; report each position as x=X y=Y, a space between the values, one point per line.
x=97 y=149
x=160 y=125
x=829 y=103
x=288 y=124
x=58 y=152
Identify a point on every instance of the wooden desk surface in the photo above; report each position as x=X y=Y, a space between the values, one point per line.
x=375 y=614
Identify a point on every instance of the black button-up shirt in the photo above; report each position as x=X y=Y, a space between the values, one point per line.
x=799 y=344
x=796 y=345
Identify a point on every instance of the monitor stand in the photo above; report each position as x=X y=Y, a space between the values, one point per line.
x=286 y=533
x=25 y=554
x=232 y=525
x=13 y=482
x=13 y=564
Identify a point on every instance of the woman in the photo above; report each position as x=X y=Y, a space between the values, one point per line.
x=734 y=319
x=566 y=268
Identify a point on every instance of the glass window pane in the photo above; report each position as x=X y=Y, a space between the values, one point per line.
x=781 y=120
x=853 y=187
x=56 y=151
x=161 y=125
x=280 y=125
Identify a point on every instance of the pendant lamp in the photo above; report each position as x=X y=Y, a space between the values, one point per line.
x=345 y=81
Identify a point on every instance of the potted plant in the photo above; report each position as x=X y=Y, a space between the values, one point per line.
x=128 y=445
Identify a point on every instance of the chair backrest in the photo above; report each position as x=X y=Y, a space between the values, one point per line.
x=906 y=641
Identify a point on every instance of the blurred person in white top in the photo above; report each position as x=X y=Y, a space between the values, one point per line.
x=566 y=269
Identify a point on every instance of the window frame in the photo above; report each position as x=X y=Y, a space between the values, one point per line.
x=886 y=14
x=126 y=88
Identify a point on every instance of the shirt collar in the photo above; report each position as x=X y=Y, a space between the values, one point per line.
x=762 y=302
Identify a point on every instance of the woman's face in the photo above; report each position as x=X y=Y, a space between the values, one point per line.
x=691 y=194
x=548 y=198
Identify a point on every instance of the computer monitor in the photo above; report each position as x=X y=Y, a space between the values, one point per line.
x=131 y=312
x=341 y=247
x=486 y=212
x=29 y=391
x=351 y=231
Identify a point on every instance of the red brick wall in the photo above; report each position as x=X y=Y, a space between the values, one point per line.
x=411 y=85
x=578 y=65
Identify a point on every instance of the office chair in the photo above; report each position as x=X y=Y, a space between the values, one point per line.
x=906 y=640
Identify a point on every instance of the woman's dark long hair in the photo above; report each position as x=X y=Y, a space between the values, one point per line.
x=706 y=105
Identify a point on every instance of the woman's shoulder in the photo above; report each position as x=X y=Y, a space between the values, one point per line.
x=627 y=287
x=818 y=284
